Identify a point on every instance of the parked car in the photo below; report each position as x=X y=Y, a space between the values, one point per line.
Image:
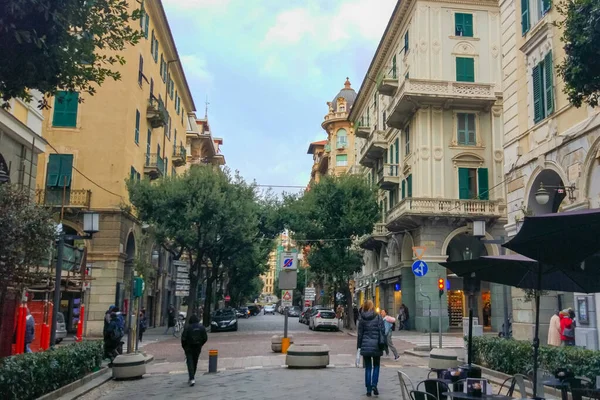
x=224 y=320
x=323 y=319
x=254 y=310
x=242 y=312
x=61 y=327
x=294 y=311
x=269 y=309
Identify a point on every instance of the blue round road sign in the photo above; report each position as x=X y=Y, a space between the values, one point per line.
x=420 y=268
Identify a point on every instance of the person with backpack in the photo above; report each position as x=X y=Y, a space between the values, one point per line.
x=388 y=322
x=192 y=339
x=112 y=338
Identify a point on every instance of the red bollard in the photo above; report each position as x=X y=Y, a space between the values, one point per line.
x=45 y=337
x=21 y=322
x=79 y=336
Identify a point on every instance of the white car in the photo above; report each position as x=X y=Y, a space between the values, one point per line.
x=323 y=319
x=269 y=309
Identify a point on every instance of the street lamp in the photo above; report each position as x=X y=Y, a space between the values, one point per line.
x=542 y=196
x=91 y=225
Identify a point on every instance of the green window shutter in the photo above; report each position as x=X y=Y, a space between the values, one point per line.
x=53 y=172
x=132 y=174
x=548 y=88
x=142 y=14
x=468 y=25
x=146 y=25
x=409 y=185
x=397 y=149
x=471 y=136
x=403 y=188
x=141 y=70
x=462 y=128
x=465 y=69
x=546 y=6
x=65 y=109
x=463 y=183
x=538 y=96
x=406 y=42
x=137 y=126
x=483 y=184
x=66 y=170
x=524 y=16
x=394 y=67
x=148 y=141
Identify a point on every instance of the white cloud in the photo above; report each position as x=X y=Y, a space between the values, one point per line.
x=290 y=28
x=214 y=5
x=196 y=68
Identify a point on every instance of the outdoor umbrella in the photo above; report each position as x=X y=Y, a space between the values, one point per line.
x=526 y=273
x=560 y=238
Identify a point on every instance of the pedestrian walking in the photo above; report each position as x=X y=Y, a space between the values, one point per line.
x=29 y=331
x=143 y=324
x=403 y=317
x=170 y=319
x=355 y=312
x=388 y=322
x=112 y=338
x=567 y=330
x=192 y=339
x=371 y=341
x=120 y=321
x=554 y=330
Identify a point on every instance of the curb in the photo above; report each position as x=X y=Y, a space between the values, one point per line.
x=65 y=391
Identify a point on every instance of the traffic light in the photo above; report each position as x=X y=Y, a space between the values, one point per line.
x=441 y=286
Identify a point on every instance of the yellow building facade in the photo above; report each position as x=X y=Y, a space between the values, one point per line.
x=136 y=128
x=549 y=145
x=269 y=278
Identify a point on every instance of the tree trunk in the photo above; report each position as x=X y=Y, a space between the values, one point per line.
x=349 y=309
x=193 y=296
x=208 y=299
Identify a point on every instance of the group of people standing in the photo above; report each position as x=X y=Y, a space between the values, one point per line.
x=375 y=338
x=561 y=331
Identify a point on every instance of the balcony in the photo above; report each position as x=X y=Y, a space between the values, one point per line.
x=72 y=198
x=378 y=237
x=408 y=212
x=155 y=166
x=414 y=92
x=388 y=178
x=373 y=149
x=157 y=113
x=387 y=84
x=362 y=131
x=179 y=156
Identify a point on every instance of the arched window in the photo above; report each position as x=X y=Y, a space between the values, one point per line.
x=342 y=139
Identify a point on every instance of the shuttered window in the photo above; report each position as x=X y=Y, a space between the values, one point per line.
x=137 y=127
x=403 y=188
x=463 y=183
x=141 y=71
x=548 y=85
x=483 y=184
x=65 y=109
x=60 y=170
x=525 y=23
x=463 y=24
x=341 y=160
x=546 y=6
x=397 y=150
x=466 y=129
x=543 y=89
x=465 y=69
x=409 y=185
x=407 y=140
x=406 y=42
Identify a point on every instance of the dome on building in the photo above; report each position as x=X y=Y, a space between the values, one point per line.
x=348 y=94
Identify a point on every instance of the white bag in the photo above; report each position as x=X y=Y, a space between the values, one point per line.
x=357 y=358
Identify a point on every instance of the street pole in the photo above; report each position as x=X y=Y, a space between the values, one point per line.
x=430 y=324
x=130 y=309
x=285 y=323
x=57 y=278
x=440 y=321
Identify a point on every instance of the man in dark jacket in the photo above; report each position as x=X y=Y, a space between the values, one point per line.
x=112 y=338
x=29 y=331
x=170 y=319
x=192 y=339
x=370 y=341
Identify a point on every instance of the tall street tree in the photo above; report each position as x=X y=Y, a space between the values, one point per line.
x=330 y=217
x=52 y=45
x=580 y=69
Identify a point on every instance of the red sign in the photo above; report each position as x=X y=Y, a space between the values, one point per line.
x=227 y=298
x=306 y=303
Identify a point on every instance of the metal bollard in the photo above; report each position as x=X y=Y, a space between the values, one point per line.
x=213 y=356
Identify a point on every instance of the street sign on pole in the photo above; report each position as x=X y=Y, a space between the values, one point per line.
x=419 y=251
x=309 y=293
x=420 y=268
x=286 y=298
x=288 y=261
x=182 y=293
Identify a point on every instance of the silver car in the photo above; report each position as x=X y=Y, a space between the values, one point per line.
x=61 y=327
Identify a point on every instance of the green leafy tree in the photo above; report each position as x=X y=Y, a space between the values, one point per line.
x=580 y=69
x=330 y=216
x=26 y=235
x=62 y=44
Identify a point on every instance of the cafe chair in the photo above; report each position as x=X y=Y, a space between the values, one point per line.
x=406 y=385
x=418 y=395
x=515 y=382
x=576 y=383
x=435 y=387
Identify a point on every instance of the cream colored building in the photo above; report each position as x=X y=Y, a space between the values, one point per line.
x=546 y=141
x=135 y=128
x=429 y=123
x=269 y=277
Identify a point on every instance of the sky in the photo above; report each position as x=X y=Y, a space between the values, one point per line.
x=268 y=68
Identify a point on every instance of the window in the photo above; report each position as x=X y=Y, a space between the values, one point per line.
x=341 y=160
x=171 y=87
x=465 y=69
x=384 y=119
x=65 y=109
x=151 y=87
x=403 y=188
x=406 y=42
x=144 y=20
x=175 y=138
x=394 y=67
x=407 y=140
x=466 y=129
x=154 y=47
x=525 y=23
x=397 y=150
x=544 y=7
x=163 y=68
x=141 y=71
x=60 y=170
x=543 y=96
x=463 y=24
x=168 y=132
x=409 y=186
x=375 y=101
x=182 y=112
x=342 y=139
x=134 y=175
x=137 y=126
x=473 y=184
x=148 y=143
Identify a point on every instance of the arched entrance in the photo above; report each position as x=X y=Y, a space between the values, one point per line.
x=465 y=246
x=551 y=181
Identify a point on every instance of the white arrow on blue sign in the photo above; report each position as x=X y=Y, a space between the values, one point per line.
x=420 y=268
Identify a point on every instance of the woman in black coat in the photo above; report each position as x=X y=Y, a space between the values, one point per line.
x=370 y=335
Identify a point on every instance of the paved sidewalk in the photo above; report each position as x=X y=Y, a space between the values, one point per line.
x=267 y=384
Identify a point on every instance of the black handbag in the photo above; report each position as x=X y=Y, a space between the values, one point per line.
x=382 y=339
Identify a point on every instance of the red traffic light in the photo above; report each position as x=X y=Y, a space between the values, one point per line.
x=441 y=284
